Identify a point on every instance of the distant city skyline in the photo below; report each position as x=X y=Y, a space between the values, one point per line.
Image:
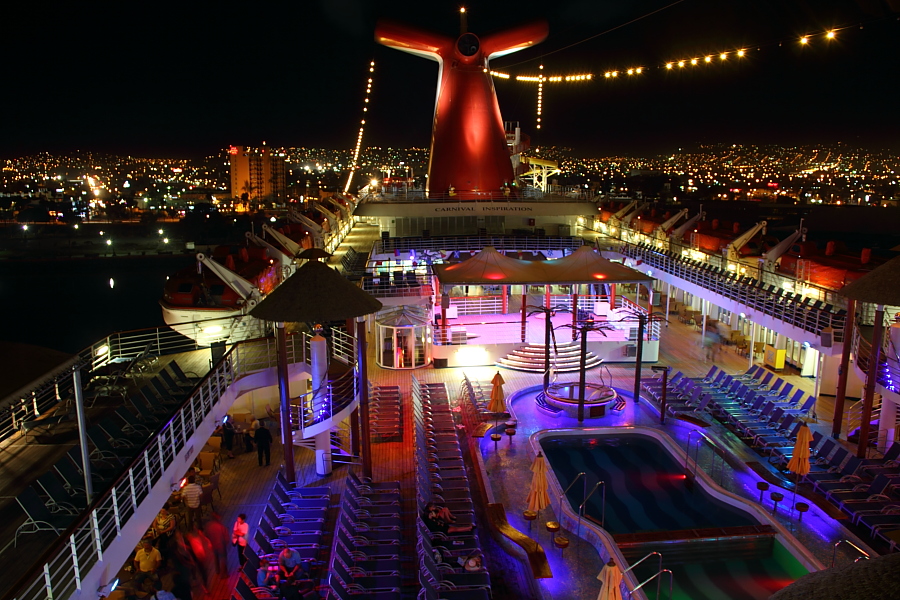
x=184 y=80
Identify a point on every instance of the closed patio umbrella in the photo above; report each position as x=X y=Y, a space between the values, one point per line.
x=538 y=498
x=799 y=462
x=611 y=576
x=497 y=405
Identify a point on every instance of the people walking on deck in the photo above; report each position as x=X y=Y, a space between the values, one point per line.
x=239 y=537
x=263 y=444
x=218 y=537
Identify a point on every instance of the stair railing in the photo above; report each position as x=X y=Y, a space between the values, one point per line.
x=659 y=570
x=658 y=577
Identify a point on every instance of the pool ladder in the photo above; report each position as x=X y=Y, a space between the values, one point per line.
x=584 y=498
x=712 y=467
x=658 y=574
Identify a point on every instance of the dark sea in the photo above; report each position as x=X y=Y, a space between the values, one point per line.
x=69 y=304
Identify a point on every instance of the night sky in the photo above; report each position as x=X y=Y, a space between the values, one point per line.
x=189 y=78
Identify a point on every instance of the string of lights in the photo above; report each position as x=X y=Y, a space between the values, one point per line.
x=354 y=161
x=706 y=59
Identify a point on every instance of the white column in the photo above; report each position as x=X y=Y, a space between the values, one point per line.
x=319 y=367
x=810 y=364
x=754 y=330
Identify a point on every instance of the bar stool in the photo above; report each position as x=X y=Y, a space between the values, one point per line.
x=552 y=527
x=801 y=507
x=762 y=486
x=776 y=498
x=561 y=542
x=510 y=432
x=530 y=516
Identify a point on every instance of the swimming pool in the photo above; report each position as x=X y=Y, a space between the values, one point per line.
x=717 y=546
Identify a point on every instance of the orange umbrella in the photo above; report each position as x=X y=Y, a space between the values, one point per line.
x=497 y=405
x=799 y=462
x=538 y=498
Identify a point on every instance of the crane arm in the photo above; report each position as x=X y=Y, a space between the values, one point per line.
x=241 y=286
x=315 y=229
x=666 y=225
x=776 y=252
x=290 y=245
x=624 y=211
x=626 y=220
x=678 y=233
x=329 y=216
x=735 y=246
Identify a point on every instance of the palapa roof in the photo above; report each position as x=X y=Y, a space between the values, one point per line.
x=582 y=266
x=313 y=254
x=878 y=286
x=874 y=579
x=315 y=293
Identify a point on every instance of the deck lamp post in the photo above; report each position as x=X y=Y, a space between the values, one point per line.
x=583 y=329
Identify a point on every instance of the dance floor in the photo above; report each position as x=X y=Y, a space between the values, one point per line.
x=507 y=329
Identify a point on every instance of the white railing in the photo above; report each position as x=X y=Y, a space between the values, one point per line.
x=41 y=395
x=382 y=286
x=58 y=573
x=475 y=243
x=315 y=407
x=745 y=290
x=477 y=305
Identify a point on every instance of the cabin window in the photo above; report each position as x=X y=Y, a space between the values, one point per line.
x=185 y=288
x=217 y=290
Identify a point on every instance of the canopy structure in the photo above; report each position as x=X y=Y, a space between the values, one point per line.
x=878 y=286
x=583 y=266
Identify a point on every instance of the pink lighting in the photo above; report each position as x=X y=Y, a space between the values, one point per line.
x=468 y=142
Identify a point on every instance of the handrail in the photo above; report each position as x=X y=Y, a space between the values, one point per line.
x=563 y=494
x=742 y=289
x=602 y=504
x=57 y=573
x=888 y=373
x=659 y=581
x=863 y=553
x=660 y=569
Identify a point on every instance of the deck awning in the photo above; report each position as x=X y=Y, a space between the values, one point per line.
x=583 y=266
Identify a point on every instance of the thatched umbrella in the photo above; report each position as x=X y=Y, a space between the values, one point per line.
x=874 y=579
x=317 y=294
x=313 y=254
x=878 y=287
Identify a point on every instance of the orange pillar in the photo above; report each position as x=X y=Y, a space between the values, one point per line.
x=575 y=312
x=547 y=296
x=505 y=291
x=612 y=296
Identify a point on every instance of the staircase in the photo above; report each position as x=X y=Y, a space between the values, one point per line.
x=531 y=358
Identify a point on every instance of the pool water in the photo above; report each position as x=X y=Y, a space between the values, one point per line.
x=646 y=491
x=645 y=486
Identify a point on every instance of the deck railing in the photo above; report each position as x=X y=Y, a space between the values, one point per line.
x=58 y=571
x=40 y=396
x=386 y=287
x=477 y=305
x=744 y=290
x=474 y=243
x=888 y=372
